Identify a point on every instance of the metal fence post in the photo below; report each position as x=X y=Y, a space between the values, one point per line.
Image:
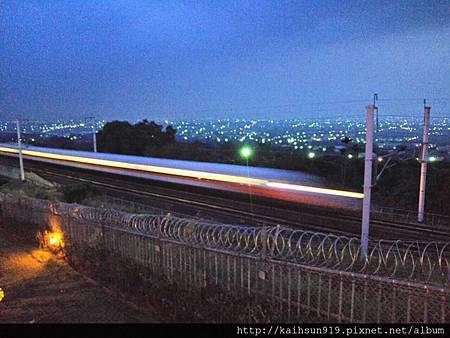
x=262 y=272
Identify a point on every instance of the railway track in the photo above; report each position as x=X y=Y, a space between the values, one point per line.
x=236 y=210
x=232 y=207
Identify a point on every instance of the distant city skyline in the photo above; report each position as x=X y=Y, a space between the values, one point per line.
x=298 y=134
x=214 y=59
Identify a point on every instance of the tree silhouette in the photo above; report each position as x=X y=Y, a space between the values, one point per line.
x=346 y=140
x=121 y=137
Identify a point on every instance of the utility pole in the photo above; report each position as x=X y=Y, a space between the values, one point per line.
x=94 y=135
x=375 y=99
x=19 y=145
x=367 y=180
x=423 y=161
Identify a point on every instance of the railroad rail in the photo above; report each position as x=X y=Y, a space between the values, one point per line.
x=313 y=221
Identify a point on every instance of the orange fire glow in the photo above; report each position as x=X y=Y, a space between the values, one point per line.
x=54 y=239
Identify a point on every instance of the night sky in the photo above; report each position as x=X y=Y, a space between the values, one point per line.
x=212 y=59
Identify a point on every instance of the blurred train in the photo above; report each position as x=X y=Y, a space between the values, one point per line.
x=277 y=184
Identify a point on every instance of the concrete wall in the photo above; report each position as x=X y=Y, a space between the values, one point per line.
x=10 y=172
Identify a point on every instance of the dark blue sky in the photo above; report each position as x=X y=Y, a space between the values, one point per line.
x=208 y=59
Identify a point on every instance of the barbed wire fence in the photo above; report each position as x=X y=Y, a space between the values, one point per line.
x=304 y=274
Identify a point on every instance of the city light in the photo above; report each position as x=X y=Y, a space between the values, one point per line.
x=287 y=133
x=432 y=159
x=350 y=156
x=380 y=159
x=311 y=155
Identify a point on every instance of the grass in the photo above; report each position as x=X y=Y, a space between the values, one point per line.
x=32 y=190
x=37 y=187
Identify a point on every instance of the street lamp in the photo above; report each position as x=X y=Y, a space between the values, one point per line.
x=311 y=155
x=246 y=152
x=19 y=147
x=94 y=132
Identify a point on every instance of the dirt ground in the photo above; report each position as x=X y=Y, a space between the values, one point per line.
x=41 y=288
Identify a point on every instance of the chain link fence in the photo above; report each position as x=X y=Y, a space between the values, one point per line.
x=435 y=221
x=304 y=276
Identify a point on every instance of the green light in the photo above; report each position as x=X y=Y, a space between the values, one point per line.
x=246 y=152
x=432 y=159
x=311 y=155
